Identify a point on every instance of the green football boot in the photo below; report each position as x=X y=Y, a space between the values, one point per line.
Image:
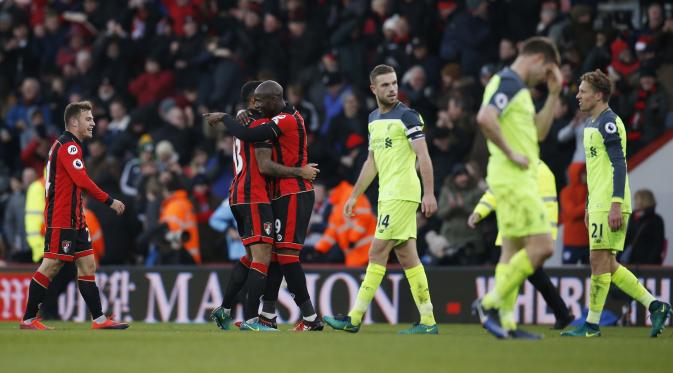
x=419 y=328
x=340 y=322
x=222 y=320
x=256 y=326
x=586 y=330
x=660 y=312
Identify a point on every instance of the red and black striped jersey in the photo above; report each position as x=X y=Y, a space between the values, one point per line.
x=289 y=149
x=66 y=178
x=249 y=185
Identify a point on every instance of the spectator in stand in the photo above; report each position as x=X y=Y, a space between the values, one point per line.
x=392 y=50
x=179 y=131
x=177 y=211
x=352 y=235
x=18 y=115
x=645 y=235
x=645 y=111
x=457 y=199
x=506 y=53
x=556 y=150
x=14 y=219
x=415 y=88
x=421 y=56
x=295 y=97
x=204 y=205
x=35 y=154
x=467 y=38
x=351 y=121
x=223 y=221
x=333 y=101
x=152 y=85
x=573 y=205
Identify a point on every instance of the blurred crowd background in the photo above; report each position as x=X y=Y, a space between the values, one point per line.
x=152 y=67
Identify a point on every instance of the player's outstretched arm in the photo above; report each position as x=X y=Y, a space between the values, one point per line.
x=270 y=168
x=367 y=175
x=428 y=202
x=263 y=132
x=490 y=127
x=545 y=117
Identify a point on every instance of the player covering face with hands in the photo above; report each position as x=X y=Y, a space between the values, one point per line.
x=513 y=128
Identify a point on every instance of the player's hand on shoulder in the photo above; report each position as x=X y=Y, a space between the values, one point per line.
x=520 y=160
x=309 y=172
x=118 y=206
x=214 y=118
x=473 y=220
x=428 y=205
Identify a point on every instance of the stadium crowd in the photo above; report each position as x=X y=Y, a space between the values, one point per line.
x=152 y=67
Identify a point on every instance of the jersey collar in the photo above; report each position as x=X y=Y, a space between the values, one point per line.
x=72 y=137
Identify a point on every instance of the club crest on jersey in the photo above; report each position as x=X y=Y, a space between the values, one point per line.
x=72 y=150
x=267 y=228
x=610 y=127
x=65 y=245
x=78 y=164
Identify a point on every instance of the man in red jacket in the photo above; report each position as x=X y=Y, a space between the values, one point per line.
x=67 y=237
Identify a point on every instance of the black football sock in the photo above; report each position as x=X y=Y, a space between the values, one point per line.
x=237 y=279
x=89 y=291
x=38 y=288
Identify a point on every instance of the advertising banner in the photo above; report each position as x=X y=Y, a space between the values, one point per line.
x=188 y=294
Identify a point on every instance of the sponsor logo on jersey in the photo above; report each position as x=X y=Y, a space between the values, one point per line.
x=389 y=142
x=72 y=150
x=593 y=152
x=78 y=164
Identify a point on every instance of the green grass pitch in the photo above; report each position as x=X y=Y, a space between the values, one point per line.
x=181 y=348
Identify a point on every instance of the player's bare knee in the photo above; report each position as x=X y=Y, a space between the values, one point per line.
x=50 y=268
x=86 y=266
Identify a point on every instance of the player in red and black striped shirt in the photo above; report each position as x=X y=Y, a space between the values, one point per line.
x=293 y=197
x=250 y=202
x=67 y=236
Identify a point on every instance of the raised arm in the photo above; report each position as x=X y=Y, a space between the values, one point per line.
x=545 y=117
x=262 y=132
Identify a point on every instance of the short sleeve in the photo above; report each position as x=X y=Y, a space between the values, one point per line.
x=503 y=95
x=413 y=124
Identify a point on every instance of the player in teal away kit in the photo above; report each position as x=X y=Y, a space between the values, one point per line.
x=608 y=207
x=395 y=140
x=508 y=120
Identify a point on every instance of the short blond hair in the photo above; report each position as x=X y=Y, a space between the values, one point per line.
x=74 y=109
